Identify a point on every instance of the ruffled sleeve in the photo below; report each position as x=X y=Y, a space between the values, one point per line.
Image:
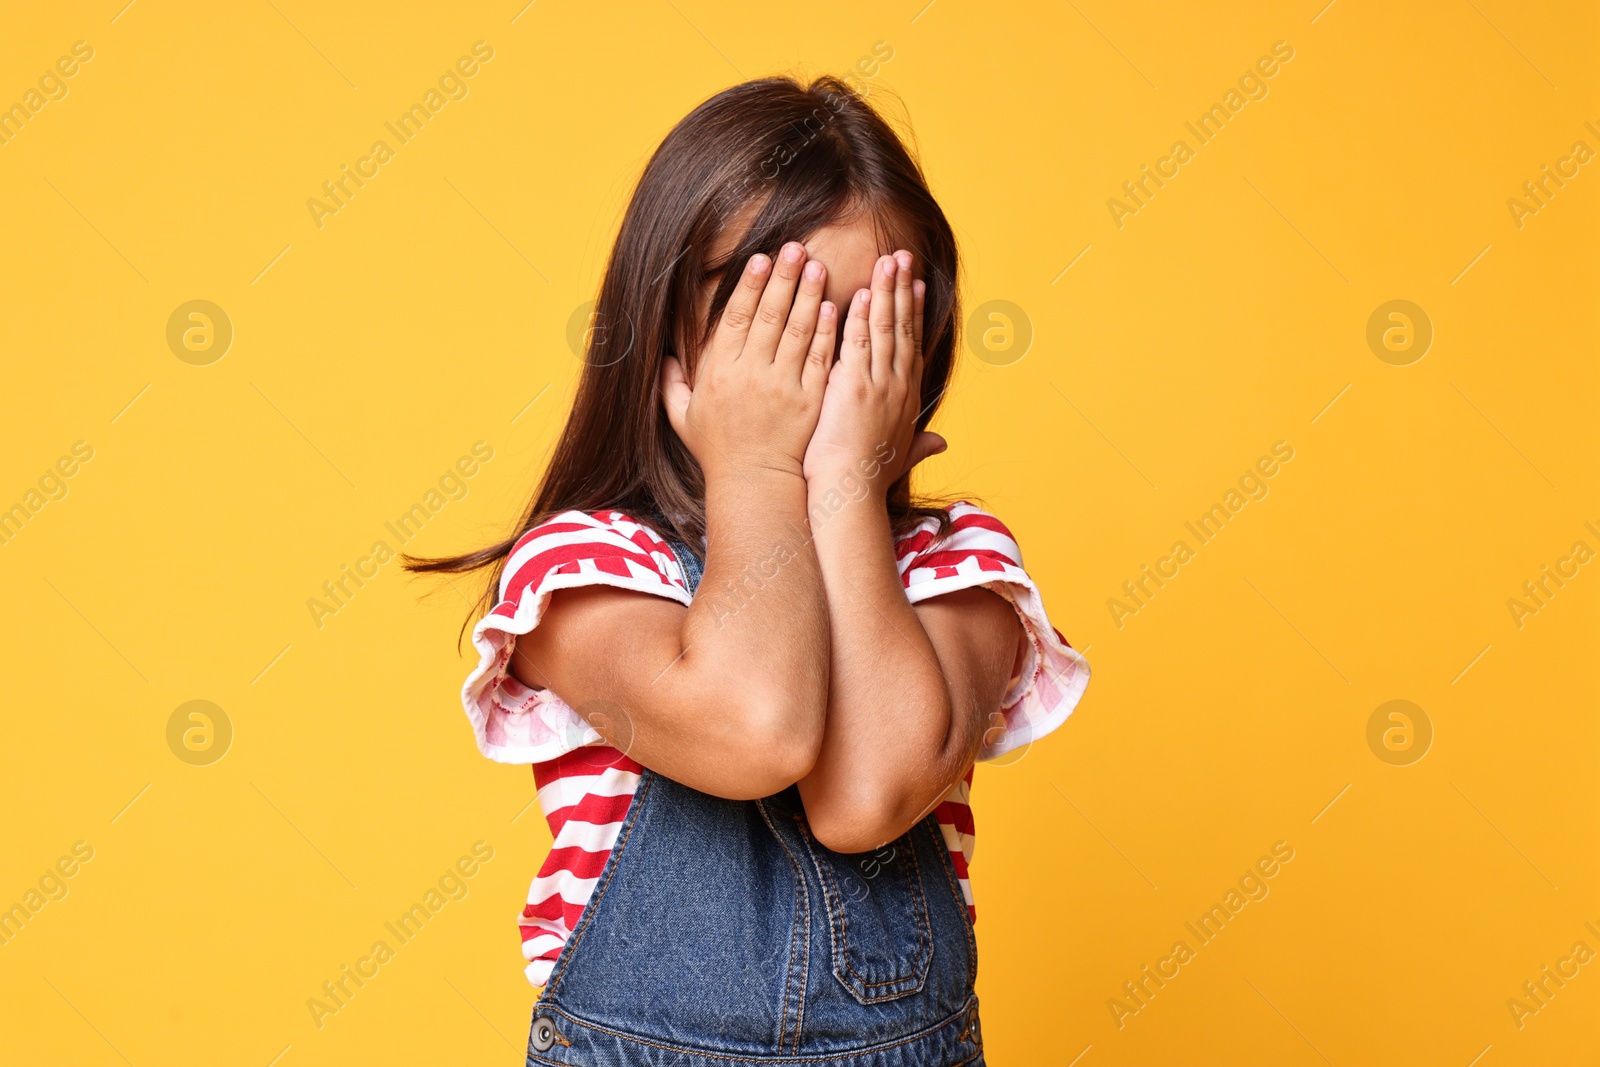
x=980 y=551
x=516 y=724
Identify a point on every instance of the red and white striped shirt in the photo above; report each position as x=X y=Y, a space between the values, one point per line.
x=585 y=786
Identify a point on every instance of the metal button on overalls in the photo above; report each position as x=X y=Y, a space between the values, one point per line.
x=543 y=1035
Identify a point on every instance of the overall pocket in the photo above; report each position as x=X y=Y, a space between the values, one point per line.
x=882 y=941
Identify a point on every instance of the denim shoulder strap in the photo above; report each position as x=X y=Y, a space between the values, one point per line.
x=691 y=563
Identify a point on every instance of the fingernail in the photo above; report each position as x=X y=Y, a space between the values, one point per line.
x=813 y=270
x=759 y=264
x=826 y=312
x=904 y=259
x=918 y=287
x=888 y=266
x=792 y=252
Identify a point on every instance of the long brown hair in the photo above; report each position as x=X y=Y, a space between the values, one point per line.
x=792 y=158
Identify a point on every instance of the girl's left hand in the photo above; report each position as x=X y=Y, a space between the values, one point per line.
x=874 y=391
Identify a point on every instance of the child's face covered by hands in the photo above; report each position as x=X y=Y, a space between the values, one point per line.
x=865 y=428
x=874 y=392
x=850 y=251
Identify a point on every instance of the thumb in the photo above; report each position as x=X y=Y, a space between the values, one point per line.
x=925 y=444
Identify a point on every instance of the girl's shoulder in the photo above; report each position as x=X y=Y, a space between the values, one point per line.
x=605 y=547
x=977 y=545
x=978 y=550
x=514 y=723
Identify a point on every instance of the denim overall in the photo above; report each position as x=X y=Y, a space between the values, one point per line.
x=722 y=934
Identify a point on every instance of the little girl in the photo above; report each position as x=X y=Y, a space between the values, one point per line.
x=751 y=672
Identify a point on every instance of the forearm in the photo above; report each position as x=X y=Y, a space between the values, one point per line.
x=727 y=696
x=755 y=637
x=891 y=743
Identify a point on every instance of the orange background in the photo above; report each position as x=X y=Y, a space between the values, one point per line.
x=1167 y=355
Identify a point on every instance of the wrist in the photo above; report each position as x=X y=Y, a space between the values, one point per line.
x=730 y=490
x=845 y=499
x=752 y=468
x=845 y=487
x=868 y=473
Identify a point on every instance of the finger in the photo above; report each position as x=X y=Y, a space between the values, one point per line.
x=819 y=360
x=919 y=293
x=881 y=317
x=857 y=347
x=734 y=324
x=772 y=314
x=795 y=345
x=675 y=395
x=904 y=306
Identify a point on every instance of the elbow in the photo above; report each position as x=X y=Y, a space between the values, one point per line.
x=866 y=804
x=789 y=737
x=865 y=820
x=776 y=744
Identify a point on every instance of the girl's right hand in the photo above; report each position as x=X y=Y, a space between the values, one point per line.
x=759 y=381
